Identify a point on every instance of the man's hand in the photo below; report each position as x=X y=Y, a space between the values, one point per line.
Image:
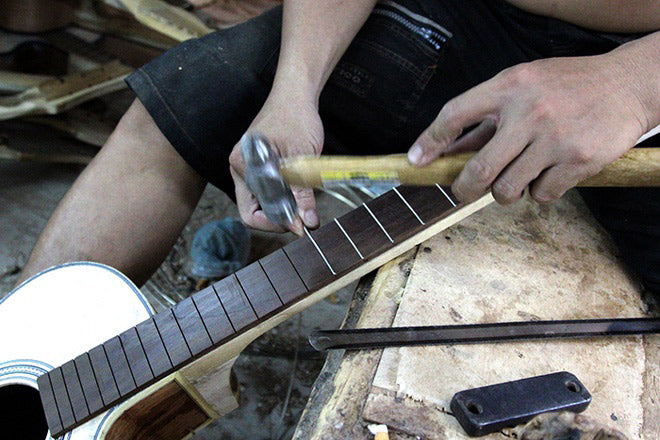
x=548 y=124
x=293 y=127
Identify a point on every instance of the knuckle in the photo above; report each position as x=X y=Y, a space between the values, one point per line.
x=521 y=74
x=235 y=157
x=450 y=110
x=480 y=171
x=583 y=155
x=504 y=191
x=545 y=195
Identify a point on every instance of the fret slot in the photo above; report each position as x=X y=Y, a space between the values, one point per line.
x=259 y=290
x=103 y=375
x=235 y=303
x=88 y=382
x=62 y=397
x=50 y=407
x=213 y=315
x=136 y=356
x=76 y=396
x=154 y=348
x=283 y=276
x=365 y=232
x=119 y=366
x=191 y=326
x=427 y=202
x=337 y=248
x=170 y=333
x=394 y=216
x=308 y=263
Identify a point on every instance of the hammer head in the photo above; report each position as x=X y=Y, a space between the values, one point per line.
x=263 y=178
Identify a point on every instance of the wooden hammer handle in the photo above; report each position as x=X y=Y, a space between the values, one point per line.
x=638 y=167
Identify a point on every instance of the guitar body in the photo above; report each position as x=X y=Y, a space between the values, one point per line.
x=52 y=318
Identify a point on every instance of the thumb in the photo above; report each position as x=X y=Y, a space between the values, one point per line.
x=459 y=113
x=306 y=206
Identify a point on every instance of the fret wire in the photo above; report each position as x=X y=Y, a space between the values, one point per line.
x=378 y=222
x=408 y=205
x=349 y=239
x=319 y=250
x=446 y=195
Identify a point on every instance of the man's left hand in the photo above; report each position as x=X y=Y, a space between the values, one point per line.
x=546 y=125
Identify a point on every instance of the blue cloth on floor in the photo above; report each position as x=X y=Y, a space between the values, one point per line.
x=219 y=248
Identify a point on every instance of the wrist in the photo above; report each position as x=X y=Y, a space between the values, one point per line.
x=637 y=66
x=295 y=89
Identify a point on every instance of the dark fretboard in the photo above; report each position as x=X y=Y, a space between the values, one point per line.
x=128 y=363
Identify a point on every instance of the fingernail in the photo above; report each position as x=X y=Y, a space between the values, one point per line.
x=415 y=154
x=296 y=227
x=311 y=218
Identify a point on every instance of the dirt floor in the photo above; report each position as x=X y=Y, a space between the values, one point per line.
x=275 y=372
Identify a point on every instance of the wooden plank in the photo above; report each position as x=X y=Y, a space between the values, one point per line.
x=154 y=348
x=365 y=232
x=168 y=413
x=394 y=215
x=308 y=263
x=428 y=201
x=213 y=315
x=50 y=406
x=172 y=338
x=103 y=375
x=136 y=357
x=88 y=381
x=191 y=326
x=119 y=366
x=62 y=397
x=337 y=248
x=235 y=302
x=258 y=289
x=283 y=276
x=76 y=396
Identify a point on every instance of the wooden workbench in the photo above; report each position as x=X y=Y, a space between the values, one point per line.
x=520 y=263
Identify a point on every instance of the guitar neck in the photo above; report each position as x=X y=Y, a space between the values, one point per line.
x=128 y=363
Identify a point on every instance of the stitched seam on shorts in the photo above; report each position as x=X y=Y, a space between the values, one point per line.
x=172 y=114
x=399 y=60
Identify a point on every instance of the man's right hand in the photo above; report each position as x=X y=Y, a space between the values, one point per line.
x=293 y=127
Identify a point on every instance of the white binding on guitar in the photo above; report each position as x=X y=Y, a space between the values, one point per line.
x=55 y=316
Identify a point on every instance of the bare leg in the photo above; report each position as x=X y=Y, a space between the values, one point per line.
x=127 y=208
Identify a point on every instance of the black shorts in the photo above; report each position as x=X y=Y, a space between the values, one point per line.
x=410 y=57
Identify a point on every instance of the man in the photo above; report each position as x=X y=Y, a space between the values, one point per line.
x=555 y=89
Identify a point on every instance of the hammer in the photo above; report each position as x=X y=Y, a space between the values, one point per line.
x=268 y=176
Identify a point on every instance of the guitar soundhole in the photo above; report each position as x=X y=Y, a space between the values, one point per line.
x=21 y=413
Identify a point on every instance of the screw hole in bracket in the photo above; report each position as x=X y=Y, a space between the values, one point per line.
x=572 y=386
x=474 y=408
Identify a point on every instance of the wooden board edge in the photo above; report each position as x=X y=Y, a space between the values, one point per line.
x=209 y=362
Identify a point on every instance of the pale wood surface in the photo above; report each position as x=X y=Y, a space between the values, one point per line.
x=638 y=167
x=526 y=262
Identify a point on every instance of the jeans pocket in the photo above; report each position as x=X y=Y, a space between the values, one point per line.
x=376 y=85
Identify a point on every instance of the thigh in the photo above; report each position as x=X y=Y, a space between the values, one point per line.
x=204 y=93
x=632 y=217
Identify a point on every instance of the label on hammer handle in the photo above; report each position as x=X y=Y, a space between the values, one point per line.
x=332 y=179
